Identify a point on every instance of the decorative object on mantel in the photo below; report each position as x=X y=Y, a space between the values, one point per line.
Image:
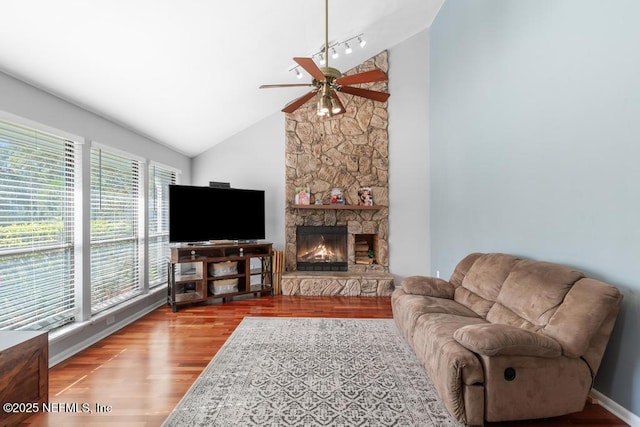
x=327 y=82
x=303 y=196
x=317 y=381
x=365 y=197
x=337 y=198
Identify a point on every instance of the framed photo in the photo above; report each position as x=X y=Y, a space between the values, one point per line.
x=337 y=198
x=303 y=196
x=365 y=197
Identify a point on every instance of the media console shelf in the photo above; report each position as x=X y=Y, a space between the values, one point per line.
x=199 y=273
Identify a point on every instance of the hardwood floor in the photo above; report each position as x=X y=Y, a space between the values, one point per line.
x=137 y=375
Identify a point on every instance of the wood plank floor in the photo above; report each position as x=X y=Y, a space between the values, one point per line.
x=139 y=374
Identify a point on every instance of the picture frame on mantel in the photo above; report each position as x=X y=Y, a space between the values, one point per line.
x=302 y=196
x=365 y=196
x=337 y=197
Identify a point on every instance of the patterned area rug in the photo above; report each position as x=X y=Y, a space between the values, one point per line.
x=313 y=372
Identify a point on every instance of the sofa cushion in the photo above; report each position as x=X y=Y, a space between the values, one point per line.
x=449 y=365
x=576 y=321
x=429 y=286
x=407 y=308
x=504 y=340
x=462 y=268
x=531 y=294
x=482 y=283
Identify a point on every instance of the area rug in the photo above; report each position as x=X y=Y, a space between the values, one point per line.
x=313 y=372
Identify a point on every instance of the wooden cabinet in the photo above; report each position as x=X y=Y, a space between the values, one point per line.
x=200 y=273
x=24 y=374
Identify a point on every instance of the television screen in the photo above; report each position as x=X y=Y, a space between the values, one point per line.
x=202 y=214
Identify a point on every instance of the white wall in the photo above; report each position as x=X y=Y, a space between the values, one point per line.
x=255 y=158
x=409 y=188
x=252 y=159
x=26 y=101
x=535 y=108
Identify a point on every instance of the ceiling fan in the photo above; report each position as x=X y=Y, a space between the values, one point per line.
x=327 y=82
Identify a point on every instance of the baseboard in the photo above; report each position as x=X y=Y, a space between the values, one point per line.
x=623 y=413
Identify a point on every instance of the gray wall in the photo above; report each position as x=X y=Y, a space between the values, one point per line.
x=254 y=158
x=535 y=124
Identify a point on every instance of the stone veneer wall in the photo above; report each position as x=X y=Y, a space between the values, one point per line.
x=348 y=151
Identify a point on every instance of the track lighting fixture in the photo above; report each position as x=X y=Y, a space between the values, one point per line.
x=320 y=55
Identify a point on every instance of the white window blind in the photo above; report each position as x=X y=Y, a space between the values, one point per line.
x=159 y=180
x=115 y=266
x=37 y=178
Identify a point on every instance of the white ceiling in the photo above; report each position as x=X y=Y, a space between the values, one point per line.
x=185 y=73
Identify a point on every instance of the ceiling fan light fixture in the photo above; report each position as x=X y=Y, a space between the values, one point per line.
x=335 y=108
x=324 y=106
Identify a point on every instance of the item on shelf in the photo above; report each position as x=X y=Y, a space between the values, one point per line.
x=223 y=268
x=365 y=197
x=223 y=286
x=337 y=198
x=303 y=196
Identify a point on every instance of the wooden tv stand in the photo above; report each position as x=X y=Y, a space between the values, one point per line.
x=198 y=273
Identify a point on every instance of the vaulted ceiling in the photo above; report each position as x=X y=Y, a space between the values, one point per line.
x=186 y=73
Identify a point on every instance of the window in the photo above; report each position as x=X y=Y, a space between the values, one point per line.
x=37 y=187
x=115 y=242
x=158 y=222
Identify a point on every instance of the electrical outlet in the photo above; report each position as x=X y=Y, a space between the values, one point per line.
x=111 y=320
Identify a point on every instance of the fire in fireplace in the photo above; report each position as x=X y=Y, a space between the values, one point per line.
x=321 y=248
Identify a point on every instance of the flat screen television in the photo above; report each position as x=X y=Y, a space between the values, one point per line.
x=205 y=214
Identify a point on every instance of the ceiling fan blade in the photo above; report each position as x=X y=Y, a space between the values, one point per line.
x=335 y=96
x=366 y=77
x=311 y=68
x=297 y=103
x=366 y=93
x=285 y=85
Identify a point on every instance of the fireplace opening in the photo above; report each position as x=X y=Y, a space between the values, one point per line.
x=321 y=248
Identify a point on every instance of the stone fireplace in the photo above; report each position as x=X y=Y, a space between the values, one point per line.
x=347 y=152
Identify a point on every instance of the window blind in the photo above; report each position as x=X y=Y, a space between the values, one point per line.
x=115 y=266
x=37 y=179
x=158 y=223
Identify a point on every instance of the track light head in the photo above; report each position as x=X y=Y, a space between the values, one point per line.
x=347 y=49
x=361 y=41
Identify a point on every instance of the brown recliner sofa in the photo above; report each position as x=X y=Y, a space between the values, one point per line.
x=508 y=338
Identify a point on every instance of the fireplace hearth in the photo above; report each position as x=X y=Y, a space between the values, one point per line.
x=321 y=248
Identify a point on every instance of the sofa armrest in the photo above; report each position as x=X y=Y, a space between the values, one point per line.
x=428 y=286
x=491 y=339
